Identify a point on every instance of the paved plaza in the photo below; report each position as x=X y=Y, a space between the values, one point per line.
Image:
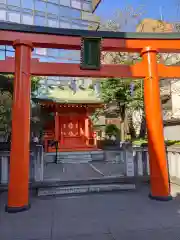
x=115 y=216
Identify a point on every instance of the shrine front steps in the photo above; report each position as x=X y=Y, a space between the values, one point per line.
x=74 y=157
x=83 y=187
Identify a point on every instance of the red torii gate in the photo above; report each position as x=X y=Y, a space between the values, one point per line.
x=24 y=38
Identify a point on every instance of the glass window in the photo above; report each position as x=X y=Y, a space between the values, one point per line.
x=27 y=4
x=2 y=47
x=51 y=59
x=10 y=48
x=65 y=2
x=74 y=26
x=53 y=52
x=39 y=21
x=13 y=8
x=14 y=17
x=28 y=11
x=75 y=13
x=83 y=27
x=87 y=6
x=41 y=51
x=27 y=19
x=65 y=11
x=65 y=25
x=14 y=2
x=2 y=55
x=76 y=4
x=10 y=54
x=52 y=23
x=3 y=14
x=54 y=1
x=40 y=6
x=52 y=8
x=43 y=59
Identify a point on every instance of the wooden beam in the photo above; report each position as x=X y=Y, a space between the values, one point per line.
x=73 y=70
x=168 y=71
x=110 y=71
x=74 y=43
x=47 y=37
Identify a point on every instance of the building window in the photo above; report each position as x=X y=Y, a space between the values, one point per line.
x=14 y=2
x=40 y=6
x=74 y=26
x=52 y=23
x=51 y=59
x=65 y=24
x=76 y=4
x=42 y=59
x=3 y=14
x=10 y=48
x=41 y=51
x=3 y=1
x=87 y=6
x=2 y=47
x=52 y=8
x=54 y=1
x=10 y=53
x=27 y=4
x=75 y=13
x=27 y=19
x=2 y=55
x=14 y=17
x=39 y=21
x=65 y=2
x=65 y=11
x=53 y=52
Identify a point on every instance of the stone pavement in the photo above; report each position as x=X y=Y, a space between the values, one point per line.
x=120 y=216
x=82 y=171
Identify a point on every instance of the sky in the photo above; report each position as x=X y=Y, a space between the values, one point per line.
x=151 y=8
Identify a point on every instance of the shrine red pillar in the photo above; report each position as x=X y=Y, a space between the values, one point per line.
x=56 y=130
x=159 y=176
x=86 y=129
x=18 y=189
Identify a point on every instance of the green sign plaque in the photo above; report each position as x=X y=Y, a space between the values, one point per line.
x=91 y=53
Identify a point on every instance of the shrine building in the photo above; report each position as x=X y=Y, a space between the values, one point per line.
x=71 y=125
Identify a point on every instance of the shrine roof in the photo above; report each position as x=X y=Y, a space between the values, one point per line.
x=66 y=95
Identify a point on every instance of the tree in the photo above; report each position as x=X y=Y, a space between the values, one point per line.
x=126 y=99
x=132 y=107
x=6 y=96
x=118 y=91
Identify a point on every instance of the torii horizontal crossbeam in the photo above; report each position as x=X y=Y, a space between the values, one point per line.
x=46 y=37
x=73 y=70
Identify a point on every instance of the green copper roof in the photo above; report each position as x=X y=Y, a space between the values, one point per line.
x=66 y=95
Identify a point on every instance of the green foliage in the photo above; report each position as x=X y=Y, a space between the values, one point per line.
x=112 y=130
x=6 y=83
x=5 y=112
x=6 y=93
x=118 y=90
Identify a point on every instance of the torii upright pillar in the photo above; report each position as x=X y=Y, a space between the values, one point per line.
x=159 y=177
x=18 y=190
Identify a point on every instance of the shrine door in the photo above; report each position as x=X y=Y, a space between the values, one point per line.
x=70 y=132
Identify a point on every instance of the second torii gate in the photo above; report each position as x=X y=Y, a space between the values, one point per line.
x=24 y=38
